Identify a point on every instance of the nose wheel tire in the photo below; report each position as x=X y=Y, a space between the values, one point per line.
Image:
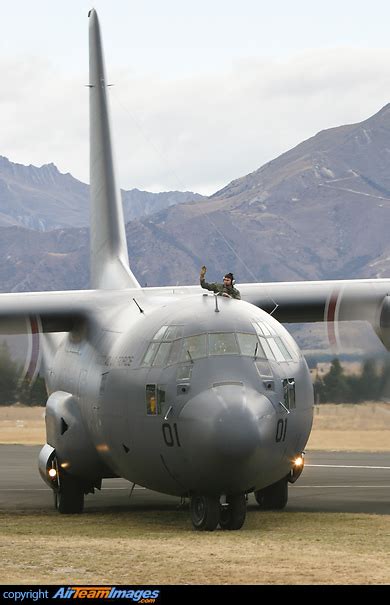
x=233 y=513
x=205 y=511
x=273 y=497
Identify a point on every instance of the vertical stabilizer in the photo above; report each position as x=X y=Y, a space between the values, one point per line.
x=109 y=256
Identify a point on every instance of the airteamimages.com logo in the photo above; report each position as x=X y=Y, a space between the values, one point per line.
x=107 y=592
x=149 y=596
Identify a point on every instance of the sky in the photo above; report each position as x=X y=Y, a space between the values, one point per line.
x=203 y=92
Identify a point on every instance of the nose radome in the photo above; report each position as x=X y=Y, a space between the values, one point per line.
x=235 y=432
x=225 y=421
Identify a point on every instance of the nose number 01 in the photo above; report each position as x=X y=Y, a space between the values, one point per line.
x=171 y=438
x=281 y=429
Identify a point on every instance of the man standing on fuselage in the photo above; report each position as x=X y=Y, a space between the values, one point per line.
x=225 y=289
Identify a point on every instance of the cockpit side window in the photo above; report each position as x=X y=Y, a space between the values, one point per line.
x=160 y=350
x=162 y=354
x=173 y=332
x=159 y=335
x=266 y=348
x=273 y=345
x=286 y=353
x=150 y=353
x=275 y=349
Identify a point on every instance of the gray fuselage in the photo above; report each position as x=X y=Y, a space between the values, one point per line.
x=219 y=403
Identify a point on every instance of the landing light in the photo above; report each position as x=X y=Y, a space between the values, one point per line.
x=52 y=473
x=298 y=462
x=297 y=467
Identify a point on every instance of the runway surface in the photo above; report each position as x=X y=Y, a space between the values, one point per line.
x=331 y=482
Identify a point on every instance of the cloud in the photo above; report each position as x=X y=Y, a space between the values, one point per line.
x=196 y=133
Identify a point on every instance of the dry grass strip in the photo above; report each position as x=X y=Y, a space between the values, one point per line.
x=161 y=548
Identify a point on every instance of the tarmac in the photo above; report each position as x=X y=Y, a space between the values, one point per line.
x=331 y=482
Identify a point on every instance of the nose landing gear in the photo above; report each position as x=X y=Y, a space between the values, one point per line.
x=233 y=513
x=207 y=512
x=273 y=497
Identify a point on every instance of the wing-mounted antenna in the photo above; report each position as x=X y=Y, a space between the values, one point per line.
x=109 y=256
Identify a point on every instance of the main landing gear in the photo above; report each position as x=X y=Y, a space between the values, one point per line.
x=69 y=496
x=273 y=497
x=207 y=512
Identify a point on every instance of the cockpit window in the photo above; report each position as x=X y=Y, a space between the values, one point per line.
x=160 y=333
x=286 y=353
x=162 y=354
x=184 y=372
x=266 y=348
x=168 y=347
x=150 y=353
x=223 y=344
x=174 y=353
x=165 y=353
x=173 y=332
x=262 y=329
x=274 y=347
x=249 y=345
x=194 y=347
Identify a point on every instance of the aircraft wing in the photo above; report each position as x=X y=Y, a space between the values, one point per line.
x=48 y=311
x=328 y=301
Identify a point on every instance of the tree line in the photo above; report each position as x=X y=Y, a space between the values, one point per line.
x=372 y=384
x=12 y=388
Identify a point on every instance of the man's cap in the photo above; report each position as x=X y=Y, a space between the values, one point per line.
x=230 y=276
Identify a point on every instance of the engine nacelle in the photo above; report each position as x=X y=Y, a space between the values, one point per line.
x=383 y=330
x=68 y=437
x=47 y=462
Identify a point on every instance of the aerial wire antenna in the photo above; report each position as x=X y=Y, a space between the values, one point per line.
x=163 y=159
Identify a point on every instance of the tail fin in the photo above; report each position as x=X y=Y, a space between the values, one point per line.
x=109 y=256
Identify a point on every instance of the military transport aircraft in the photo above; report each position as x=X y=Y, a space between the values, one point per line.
x=171 y=388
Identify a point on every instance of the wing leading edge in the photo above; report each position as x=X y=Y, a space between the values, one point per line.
x=54 y=311
x=326 y=301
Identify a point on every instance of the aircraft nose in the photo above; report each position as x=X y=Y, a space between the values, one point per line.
x=235 y=431
x=225 y=422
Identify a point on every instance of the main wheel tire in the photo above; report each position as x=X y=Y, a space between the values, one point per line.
x=273 y=497
x=234 y=512
x=205 y=512
x=70 y=496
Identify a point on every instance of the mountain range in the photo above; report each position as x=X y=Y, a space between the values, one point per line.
x=318 y=211
x=43 y=198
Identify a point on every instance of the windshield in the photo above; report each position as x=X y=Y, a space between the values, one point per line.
x=167 y=349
